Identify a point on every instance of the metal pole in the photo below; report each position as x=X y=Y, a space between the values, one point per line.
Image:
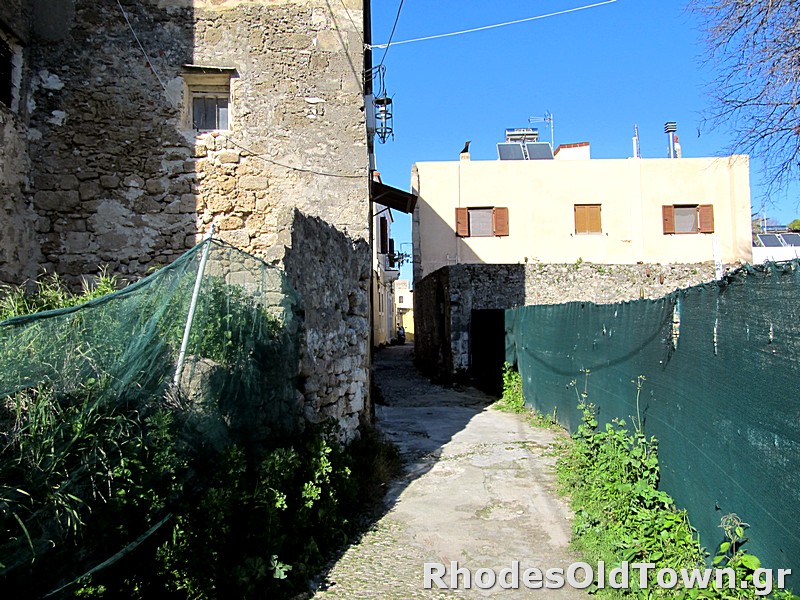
x=193 y=306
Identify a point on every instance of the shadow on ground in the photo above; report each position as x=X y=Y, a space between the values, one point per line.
x=478 y=487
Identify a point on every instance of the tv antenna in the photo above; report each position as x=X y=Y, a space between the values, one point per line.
x=548 y=119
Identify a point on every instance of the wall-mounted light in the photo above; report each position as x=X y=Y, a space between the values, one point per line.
x=383 y=117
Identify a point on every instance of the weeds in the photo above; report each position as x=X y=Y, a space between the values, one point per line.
x=51 y=293
x=612 y=477
x=513 y=401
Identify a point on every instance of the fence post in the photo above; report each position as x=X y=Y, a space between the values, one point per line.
x=193 y=306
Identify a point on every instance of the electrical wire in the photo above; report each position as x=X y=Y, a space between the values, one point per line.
x=352 y=22
x=146 y=56
x=290 y=167
x=391 y=35
x=442 y=35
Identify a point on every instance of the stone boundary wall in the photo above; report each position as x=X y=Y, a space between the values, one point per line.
x=445 y=299
x=331 y=273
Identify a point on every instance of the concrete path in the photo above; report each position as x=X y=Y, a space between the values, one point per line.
x=478 y=489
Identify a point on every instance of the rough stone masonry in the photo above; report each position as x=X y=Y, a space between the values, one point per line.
x=101 y=164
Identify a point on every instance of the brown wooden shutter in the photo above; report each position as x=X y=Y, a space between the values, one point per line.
x=383 y=242
x=706 y=214
x=391 y=252
x=581 y=226
x=593 y=219
x=668 y=216
x=462 y=222
x=500 y=221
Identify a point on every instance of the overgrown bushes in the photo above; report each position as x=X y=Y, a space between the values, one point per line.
x=111 y=485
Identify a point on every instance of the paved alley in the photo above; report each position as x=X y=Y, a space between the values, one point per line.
x=479 y=488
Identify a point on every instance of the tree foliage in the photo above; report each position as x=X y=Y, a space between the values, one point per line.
x=754 y=45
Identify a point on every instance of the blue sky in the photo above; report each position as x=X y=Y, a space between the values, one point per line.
x=599 y=71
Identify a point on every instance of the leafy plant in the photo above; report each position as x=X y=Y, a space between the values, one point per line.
x=612 y=477
x=512 y=399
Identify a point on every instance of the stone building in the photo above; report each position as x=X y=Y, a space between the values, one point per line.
x=128 y=128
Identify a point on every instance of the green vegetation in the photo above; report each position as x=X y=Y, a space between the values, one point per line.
x=51 y=294
x=114 y=484
x=612 y=478
x=256 y=530
x=513 y=400
x=794 y=225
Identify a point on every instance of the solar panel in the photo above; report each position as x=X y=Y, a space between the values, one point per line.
x=539 y=151
x=770 y=240
x=791 y=239
x=510 y=151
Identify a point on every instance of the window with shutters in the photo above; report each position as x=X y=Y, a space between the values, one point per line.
x=482 y=222
x=208 y=93
x=587 y=218
x=688 y=218
x=383 y=235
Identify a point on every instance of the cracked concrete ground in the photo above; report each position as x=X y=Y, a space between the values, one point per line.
x=478 y=488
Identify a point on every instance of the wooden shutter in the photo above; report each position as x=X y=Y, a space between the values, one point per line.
x=706 y=218
x=383 y=242
x=587 y=218
x=391 y=252
x=580 y=219
x=668 y=218
x=462 y=222
x=593 y=219
x=500 y=221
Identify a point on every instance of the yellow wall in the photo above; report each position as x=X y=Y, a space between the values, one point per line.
x=541 y=195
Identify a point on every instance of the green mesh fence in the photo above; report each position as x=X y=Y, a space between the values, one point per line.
x=722 y=369
x=90 y=413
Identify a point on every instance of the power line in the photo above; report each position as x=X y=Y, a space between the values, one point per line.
x=391 y=35
x=146 y=56
x=290 y=167
x=442 y=35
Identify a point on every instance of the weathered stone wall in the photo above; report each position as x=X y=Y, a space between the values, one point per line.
x=117 y=178
x=19 y=253
x=442 y=342
x=334 y=373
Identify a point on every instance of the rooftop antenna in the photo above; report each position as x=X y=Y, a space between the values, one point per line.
x=637 y=153
x=547 y=118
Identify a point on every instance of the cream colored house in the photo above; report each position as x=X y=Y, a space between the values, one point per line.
x=385 y=267
x=404 y=305
x=385 y=273
x=543 y=227
x=572 y=208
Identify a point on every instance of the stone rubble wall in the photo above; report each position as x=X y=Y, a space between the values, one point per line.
x=115 y=178
x=442 y=342
x=19 y=252
x=334 y=371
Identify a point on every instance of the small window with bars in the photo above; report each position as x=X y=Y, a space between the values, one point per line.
x=208 y=97
x=209 y=111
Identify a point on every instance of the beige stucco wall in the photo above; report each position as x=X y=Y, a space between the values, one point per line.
x=541 y=195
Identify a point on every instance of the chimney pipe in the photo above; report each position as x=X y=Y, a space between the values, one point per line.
x=670 y=127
